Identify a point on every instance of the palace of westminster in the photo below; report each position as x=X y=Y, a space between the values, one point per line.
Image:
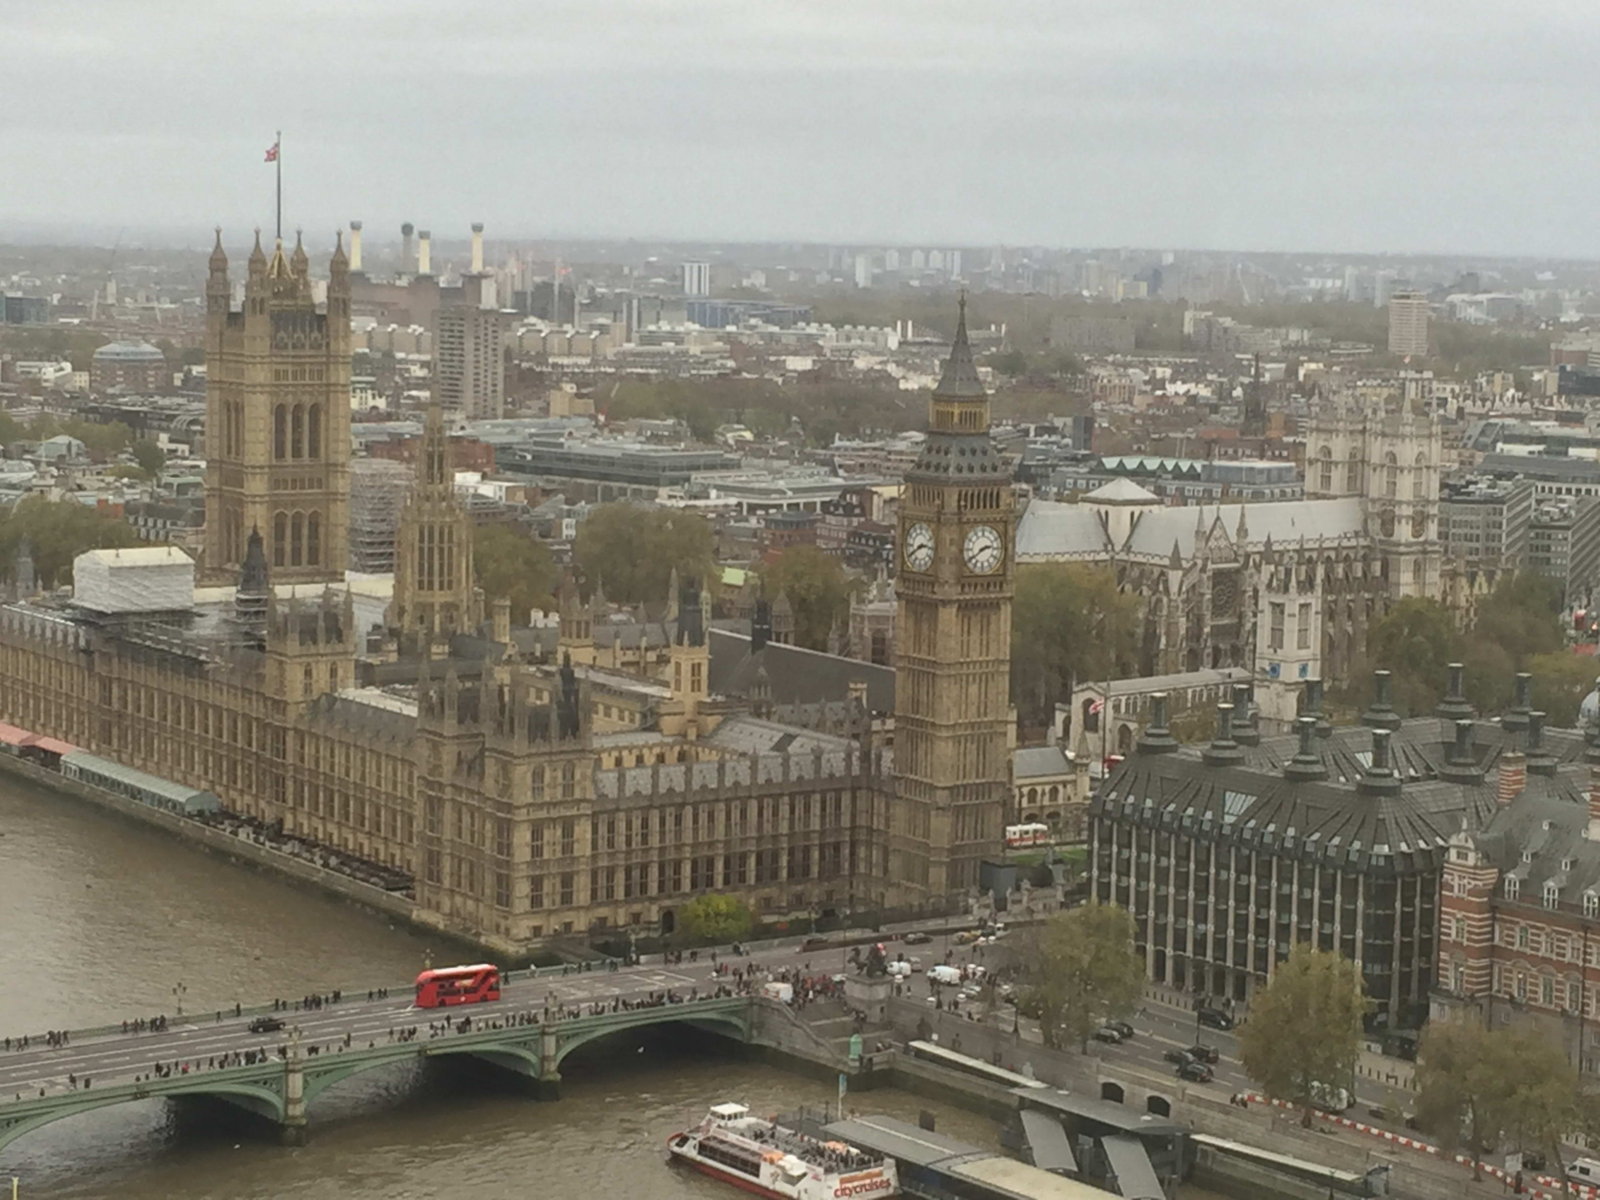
x=530 y=786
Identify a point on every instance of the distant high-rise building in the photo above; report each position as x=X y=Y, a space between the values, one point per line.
x=278 y=418
x=863 y=270
x=1408 y=324
x=1383 y=286
x=469 y=365
x=696 y=279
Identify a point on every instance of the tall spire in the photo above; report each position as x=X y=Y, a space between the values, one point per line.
x=251 y=597
x=960 y=378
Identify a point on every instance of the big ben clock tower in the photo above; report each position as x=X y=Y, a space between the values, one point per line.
x=953 y=644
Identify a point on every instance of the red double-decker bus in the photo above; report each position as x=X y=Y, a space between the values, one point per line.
x=458 y=985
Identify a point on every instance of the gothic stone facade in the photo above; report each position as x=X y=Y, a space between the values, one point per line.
x=1289 y=588
x=278 y=418
x=504 y=809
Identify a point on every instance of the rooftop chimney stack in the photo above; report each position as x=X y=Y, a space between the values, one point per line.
x=1512 y=777
x=1454 y=706
x=1380 y=778
x=1223 y=750
x=424 y=252
x=1157 y=737
x=477 y=247
x=407 y=263
x=1381 y=713
x=1517 y=717
x=355 y=246
x=1313 y=707
x=1246 y=717
x=1307 y=764
x=1540 y=761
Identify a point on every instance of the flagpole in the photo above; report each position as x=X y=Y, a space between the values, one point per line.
x=277 y=161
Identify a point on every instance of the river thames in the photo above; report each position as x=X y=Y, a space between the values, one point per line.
x=102 y=919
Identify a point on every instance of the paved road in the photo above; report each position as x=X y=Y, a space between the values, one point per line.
x=199 y=1037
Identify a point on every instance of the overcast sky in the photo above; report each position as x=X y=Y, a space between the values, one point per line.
x=1345 y=125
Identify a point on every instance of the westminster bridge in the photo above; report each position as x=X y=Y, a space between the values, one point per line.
x=541 y=1018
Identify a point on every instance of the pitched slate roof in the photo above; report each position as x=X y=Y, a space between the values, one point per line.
x=1121 y=491
x=1051 y=530
x=1285 y=521
x=795 y=675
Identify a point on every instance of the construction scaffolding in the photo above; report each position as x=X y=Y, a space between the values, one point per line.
x=378 y=491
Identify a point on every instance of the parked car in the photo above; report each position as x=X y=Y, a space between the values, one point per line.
x=1195 y=1072
x=1121 y=1027
x=815 y=943
x=1203 y=1053
x=1179 y=1056
x=1107 y=1034
x=966 y=937
x=917 y=938
x=266 y=1025
x=1330 y=1097
x=1214 y=1018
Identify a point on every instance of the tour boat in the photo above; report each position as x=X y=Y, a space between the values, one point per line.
x=770 y=1160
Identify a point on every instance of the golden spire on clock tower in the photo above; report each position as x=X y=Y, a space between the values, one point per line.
x=953 y=644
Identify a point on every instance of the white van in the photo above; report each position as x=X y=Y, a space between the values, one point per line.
x=1585 y=1169
x=944 y=974
x=781 y=992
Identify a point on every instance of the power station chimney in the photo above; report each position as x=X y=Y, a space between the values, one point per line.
x=406 y=231
x=355 y=246
x=424 y=252
x=477 y=247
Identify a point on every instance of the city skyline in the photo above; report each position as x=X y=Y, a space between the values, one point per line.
x=1055 y=125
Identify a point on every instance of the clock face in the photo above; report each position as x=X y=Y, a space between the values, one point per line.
x=919 y=547
x=983 y=550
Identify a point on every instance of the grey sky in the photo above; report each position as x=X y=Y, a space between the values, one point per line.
x=1406 y=125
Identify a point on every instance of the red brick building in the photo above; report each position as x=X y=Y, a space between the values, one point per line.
x=1519 y=938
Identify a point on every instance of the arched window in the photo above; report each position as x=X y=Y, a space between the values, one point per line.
x=297 y=432
x=280 y=534
x=1552 y=895
x=1591 y=904
x=297 y=534
x=280 y=432
x=1391 y=475
x=314 y=431
x=1512 y=884
x=1419 y=477
x=1326 y=478
x=314 y=540
x=1352 y=476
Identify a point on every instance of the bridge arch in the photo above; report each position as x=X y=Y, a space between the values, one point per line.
x=261 y=1101
x=729 y=1024
x=518 y=1059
